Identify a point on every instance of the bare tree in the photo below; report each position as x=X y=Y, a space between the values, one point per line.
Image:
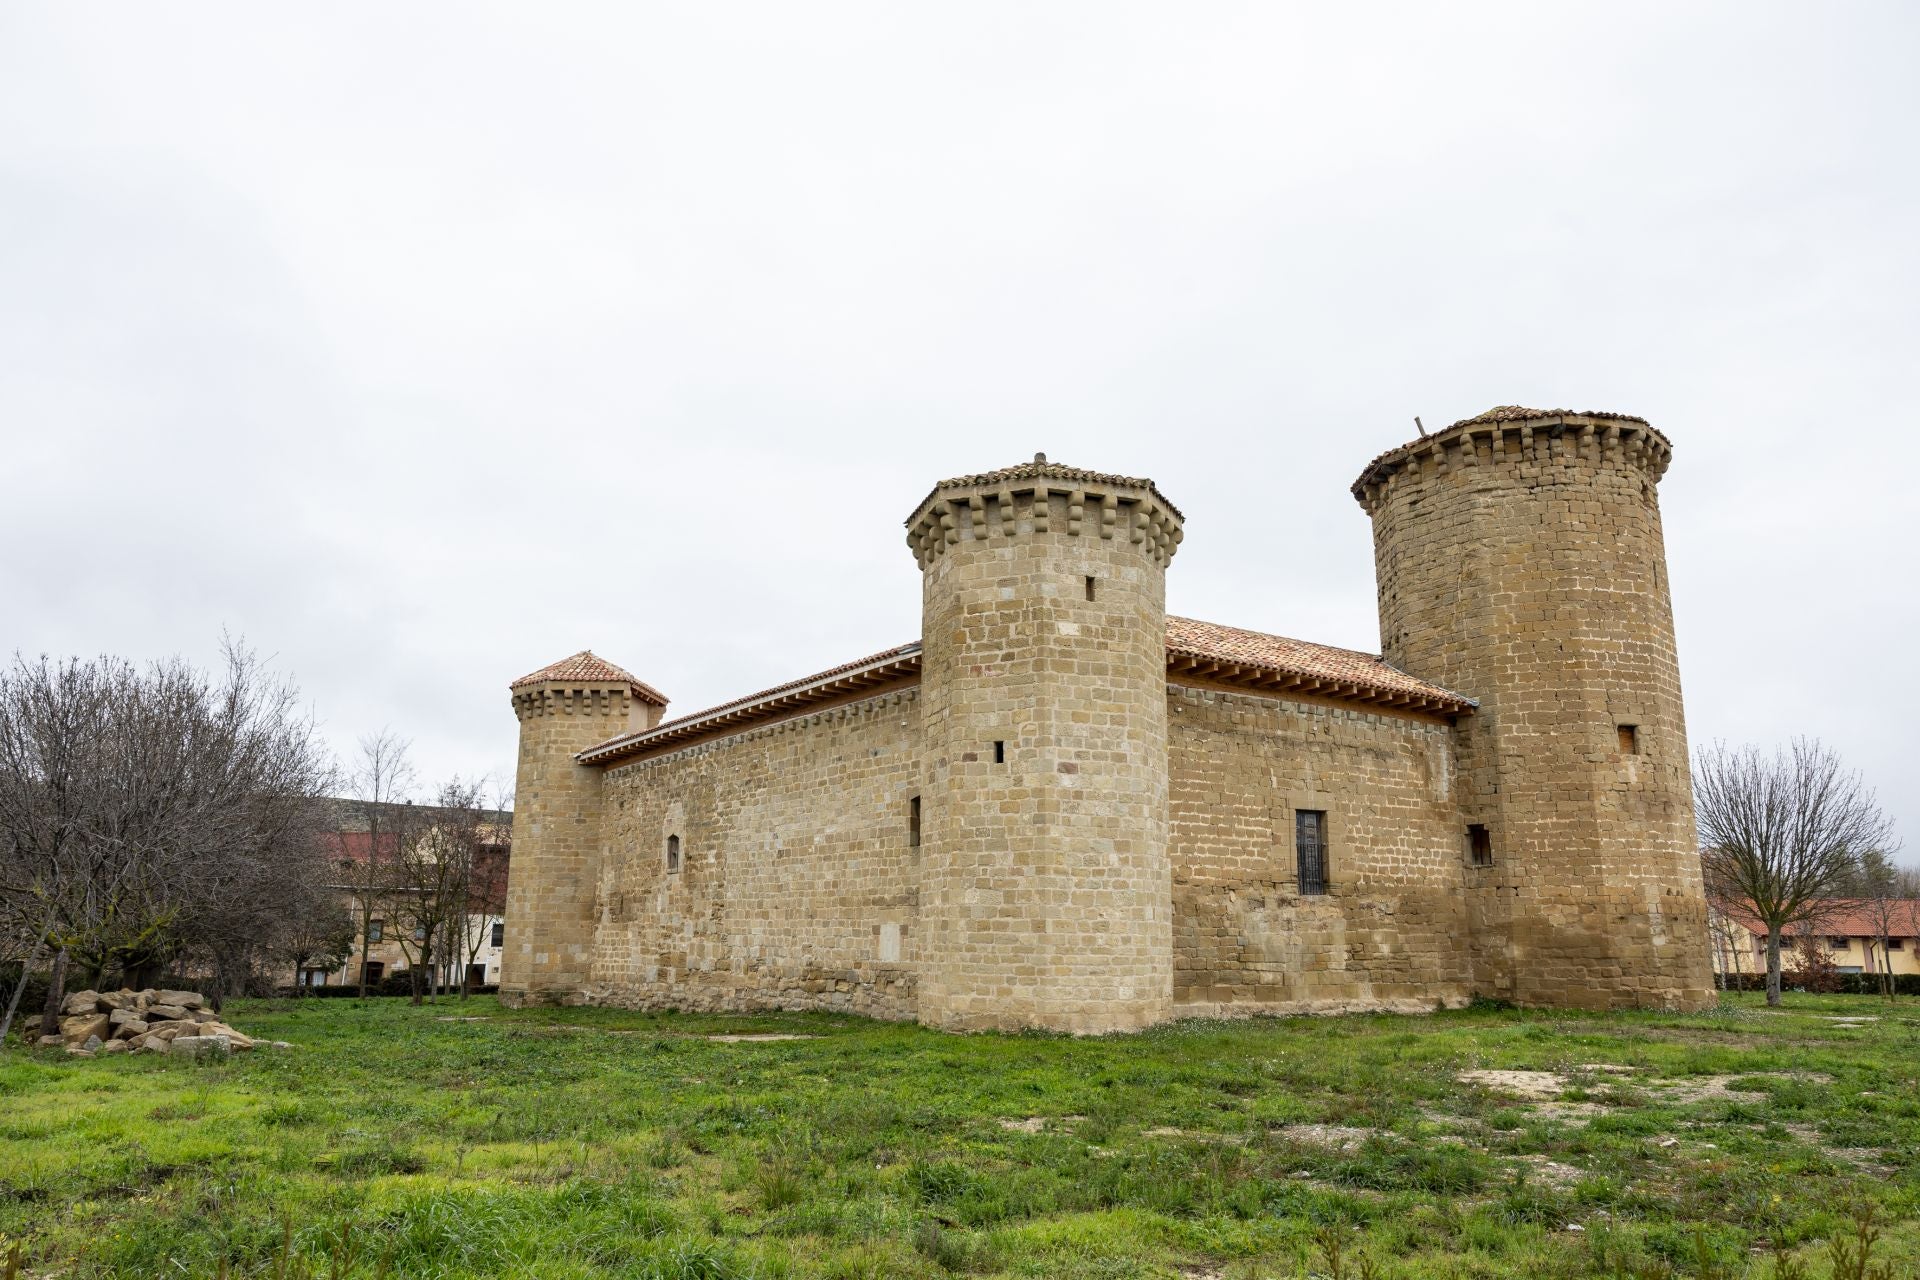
x=321 y=938
x=144 y=813
x=486 y=887
x=1888 y=897
x=383 y=783
x=52 y=722
x=1780 y=832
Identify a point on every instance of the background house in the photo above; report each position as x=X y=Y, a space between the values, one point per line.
x=402 y=869
x=1849 y=928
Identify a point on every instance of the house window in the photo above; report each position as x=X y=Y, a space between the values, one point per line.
x=419 y=933
x=1310 y=849
x=913 y=823
x=499 y=933
x=1895 y=944
x=376 y=930
x=673 y=853
x=1629 y=739
x=1837 y=944
x=1089 y=586
x=1480 y=845
x=1000 y=753
x=373 y=971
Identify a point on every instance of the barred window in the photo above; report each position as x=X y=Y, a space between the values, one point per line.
x=1310 y=849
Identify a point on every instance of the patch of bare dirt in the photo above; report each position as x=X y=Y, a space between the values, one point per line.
x=1863 y=1158
x=1334 y=1137
x=1551 y=1172
x=1035 y=1124
x=1714 y=1088
x=1536 y=1085
x=759 y=1037
x=1167 y=1131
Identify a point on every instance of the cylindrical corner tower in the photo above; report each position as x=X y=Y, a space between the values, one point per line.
x=1520 y=561
x=563 y=709
x=1046 y=890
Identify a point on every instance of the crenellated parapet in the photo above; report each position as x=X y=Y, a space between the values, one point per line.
x=1511 y=434
x=618 y=702
x=1041 y=497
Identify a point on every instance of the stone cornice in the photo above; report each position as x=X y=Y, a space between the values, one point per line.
x=1015 y=501
x=1613 y=437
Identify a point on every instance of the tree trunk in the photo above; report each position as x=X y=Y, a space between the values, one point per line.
x=19 y=988
x=56 y=995
x=1773 y=968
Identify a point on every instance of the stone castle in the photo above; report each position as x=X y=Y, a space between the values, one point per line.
x=1062 y=808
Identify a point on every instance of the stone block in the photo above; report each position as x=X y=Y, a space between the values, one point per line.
x=201 y=1048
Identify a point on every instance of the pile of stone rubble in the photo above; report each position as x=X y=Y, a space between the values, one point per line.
x=177 y=1022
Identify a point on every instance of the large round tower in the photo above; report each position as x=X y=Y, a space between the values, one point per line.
x=563 y=709
x=1046 y=889
x=1520 y=561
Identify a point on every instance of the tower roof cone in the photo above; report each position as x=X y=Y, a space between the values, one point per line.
x=587 y=667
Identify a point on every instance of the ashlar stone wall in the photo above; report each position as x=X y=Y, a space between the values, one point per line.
x=798 y=883
x=1390 y=933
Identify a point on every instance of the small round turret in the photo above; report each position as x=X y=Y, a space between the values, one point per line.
x=563 y=709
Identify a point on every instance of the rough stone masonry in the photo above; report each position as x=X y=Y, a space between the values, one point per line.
x=1062 y=808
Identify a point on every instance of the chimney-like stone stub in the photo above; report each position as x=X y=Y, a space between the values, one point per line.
x=1044 y=497
x=1511 y=434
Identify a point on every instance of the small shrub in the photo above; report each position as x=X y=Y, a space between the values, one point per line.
x=778 y=1184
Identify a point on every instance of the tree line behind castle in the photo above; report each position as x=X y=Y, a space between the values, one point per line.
x=169 y=826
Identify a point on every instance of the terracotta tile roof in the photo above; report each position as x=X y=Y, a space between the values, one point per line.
x=886 y=666
x=1257 y=659
x=587 y=667
x=1365 y=671
x=1844 y=918
x=1041 y=469
x=1520 y=413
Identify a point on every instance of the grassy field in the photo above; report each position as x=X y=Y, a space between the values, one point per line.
x=469 y=1140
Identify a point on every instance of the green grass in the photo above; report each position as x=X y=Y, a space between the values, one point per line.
x=592 y=1142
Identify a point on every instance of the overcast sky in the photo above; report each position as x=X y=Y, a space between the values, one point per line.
x=422 y=345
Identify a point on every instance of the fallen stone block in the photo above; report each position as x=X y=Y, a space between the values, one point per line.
x=185 y=999
x=200 y=1048
x=80 y=1002
x=131 y=1029
x=116 y=1046
x=167 y=1011
x=77 y=1030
